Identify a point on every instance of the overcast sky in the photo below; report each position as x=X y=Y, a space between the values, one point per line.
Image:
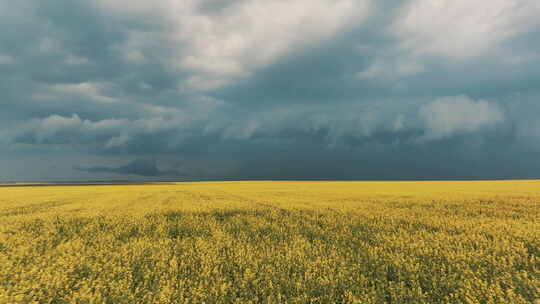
x=339 y=89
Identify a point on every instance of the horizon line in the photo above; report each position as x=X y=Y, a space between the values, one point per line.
x=159 y=181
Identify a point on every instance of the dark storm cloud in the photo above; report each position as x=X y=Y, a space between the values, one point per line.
x=335 y=89
x=141 y=167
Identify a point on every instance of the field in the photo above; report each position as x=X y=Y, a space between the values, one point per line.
x=272 y=242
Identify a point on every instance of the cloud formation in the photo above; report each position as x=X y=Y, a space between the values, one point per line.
x=218 y=41
x=447 y=116
x=269 y=89
x=463 y=29
x=140 y=167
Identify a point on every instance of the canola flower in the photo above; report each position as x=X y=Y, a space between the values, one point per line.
x=272 y=242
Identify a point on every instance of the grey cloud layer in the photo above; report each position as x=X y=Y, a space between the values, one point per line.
x=331 y=89
x=139 y=167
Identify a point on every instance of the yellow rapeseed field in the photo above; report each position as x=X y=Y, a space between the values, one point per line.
x=272 y=242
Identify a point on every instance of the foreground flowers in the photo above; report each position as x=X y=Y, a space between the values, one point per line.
x=272 y=242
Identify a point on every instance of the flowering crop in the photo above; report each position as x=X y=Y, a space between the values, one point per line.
x=272 y=242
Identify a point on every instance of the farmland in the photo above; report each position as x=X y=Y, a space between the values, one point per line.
x=272 y=242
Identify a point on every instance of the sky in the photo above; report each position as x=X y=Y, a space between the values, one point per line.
x=264 y=89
